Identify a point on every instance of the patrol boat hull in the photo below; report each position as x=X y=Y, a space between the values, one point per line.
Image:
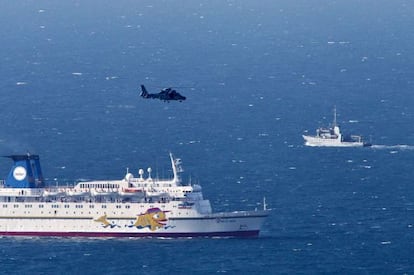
x=325 y=142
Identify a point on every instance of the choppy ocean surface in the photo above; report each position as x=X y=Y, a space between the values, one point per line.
x=257 y=75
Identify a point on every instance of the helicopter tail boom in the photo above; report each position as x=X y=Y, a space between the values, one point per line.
x=144 y=92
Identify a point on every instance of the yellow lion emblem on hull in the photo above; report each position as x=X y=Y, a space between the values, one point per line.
x=154 y=219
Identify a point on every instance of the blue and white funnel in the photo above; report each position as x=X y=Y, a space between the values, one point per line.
x=25 y=173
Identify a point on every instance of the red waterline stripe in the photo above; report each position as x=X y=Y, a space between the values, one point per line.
x=253 y=233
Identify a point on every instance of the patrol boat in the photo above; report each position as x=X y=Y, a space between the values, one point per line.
x=332 y=137
x=130 y=207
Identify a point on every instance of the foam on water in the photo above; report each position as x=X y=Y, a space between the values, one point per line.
x=401 y=147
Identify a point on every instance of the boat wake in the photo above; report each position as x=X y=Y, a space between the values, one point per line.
x=394 y=147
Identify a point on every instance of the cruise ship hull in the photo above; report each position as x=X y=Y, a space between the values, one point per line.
x=238 y=224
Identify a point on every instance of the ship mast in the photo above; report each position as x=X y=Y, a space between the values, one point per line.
x=176 y=166
x=334 y=121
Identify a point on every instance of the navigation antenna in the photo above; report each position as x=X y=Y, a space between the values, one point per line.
x=176 y=166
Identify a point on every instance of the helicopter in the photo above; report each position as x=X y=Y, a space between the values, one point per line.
x=166 y=94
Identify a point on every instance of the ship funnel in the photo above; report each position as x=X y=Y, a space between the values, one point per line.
x=25 y=173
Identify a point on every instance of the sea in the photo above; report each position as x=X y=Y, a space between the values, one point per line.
x=257 y=75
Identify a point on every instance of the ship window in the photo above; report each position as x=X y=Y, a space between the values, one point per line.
x=41 y=206
x=4 y=205
x=103 y=206
x=91 y=206
x=16 y=206
x=66 y=205
x=127 y=206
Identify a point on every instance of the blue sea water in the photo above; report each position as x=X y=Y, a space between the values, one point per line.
x=257 y=74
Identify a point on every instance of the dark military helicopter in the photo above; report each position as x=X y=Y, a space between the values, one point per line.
x=166 y=94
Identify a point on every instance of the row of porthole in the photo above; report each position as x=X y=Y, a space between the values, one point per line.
x=66 y=206
x=100 y=186
x=81 y=213
x=76 y=206
x=150 y=185
x=74 y=212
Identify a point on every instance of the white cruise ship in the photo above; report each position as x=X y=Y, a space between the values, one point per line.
x=130 y=207
x=332 y=137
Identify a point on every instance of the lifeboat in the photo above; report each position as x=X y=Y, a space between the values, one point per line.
x=53 y=192
x=131 y=192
